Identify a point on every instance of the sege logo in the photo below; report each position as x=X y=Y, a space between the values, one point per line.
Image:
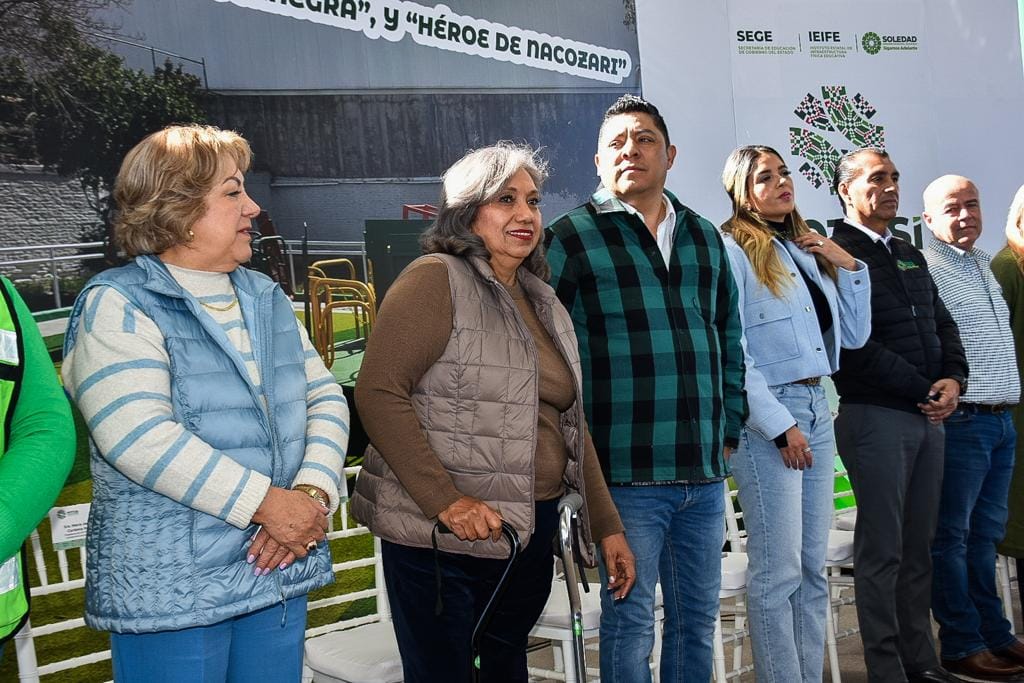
x=758 y=36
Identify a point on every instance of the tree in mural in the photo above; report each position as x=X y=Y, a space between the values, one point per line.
x=77 y=109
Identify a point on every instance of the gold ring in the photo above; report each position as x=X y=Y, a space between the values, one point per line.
x=820 y=243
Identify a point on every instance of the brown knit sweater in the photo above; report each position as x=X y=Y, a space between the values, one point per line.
x=412 y=330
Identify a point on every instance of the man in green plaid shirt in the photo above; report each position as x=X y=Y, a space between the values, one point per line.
x=648 y=286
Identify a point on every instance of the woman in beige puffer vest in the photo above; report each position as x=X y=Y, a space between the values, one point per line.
x=470 y=393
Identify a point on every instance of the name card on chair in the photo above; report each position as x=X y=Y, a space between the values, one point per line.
x=68 y=525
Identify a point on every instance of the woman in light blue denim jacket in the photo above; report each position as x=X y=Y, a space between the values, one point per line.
x=802 y=297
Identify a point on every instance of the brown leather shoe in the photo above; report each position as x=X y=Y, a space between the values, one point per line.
x=1014 y=653
x=985 y=666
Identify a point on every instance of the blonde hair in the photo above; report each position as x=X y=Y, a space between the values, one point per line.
x=1014 y=227
x=161 y=188
x=751 y=230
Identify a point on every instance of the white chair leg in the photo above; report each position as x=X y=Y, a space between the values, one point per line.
x=655 y=663
x=569 y=666
x=1011 y=571
x=740 y=624
x=719 y=651
x=830 y=640
x=556 y=655
x=25 y=651
x=1003 y=578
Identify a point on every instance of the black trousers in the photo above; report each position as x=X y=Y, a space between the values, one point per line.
x=895 y=461
x=438 y=648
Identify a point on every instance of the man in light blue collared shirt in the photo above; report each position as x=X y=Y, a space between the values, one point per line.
x=976 y=638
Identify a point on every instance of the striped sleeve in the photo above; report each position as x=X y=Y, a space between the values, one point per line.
x=327 y=420
x=118 y=375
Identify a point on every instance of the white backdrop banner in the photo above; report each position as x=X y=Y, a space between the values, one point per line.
x=941 y=90
x=438 y=26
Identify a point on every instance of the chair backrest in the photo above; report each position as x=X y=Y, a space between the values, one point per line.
x=355 y=552
x=49 y=583
x=843 y=491
x=734 y=534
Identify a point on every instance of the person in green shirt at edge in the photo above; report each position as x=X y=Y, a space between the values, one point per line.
x=37 y=449
x=1008 y=268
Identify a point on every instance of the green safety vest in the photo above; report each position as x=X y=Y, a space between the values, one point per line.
x=14 y=593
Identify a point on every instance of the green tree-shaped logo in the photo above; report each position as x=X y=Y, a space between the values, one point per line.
x=871 y=43
x=835 y=117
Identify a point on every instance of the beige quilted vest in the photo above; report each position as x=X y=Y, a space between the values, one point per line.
x=478 y=407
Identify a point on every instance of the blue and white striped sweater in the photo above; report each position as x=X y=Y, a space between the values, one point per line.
x=186 y=418
x=113 y=329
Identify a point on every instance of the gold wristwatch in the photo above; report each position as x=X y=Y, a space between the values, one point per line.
x=314 y=493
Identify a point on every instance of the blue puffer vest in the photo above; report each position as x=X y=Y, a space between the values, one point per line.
x=155 y=564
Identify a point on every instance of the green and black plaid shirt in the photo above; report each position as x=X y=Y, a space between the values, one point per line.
x=660 y=347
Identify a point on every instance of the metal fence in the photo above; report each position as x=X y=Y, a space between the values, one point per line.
x=317 y=248
x=51 y=258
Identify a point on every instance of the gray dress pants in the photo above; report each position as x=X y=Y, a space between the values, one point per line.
x=895 y=463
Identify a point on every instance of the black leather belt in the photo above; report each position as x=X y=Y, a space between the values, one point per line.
x=987 y=408
x=810 y=381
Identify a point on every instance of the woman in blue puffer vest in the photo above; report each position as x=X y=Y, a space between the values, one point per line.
x=218 y=436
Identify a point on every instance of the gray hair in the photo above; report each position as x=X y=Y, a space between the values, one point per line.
x=471 y=182
x=846 y=169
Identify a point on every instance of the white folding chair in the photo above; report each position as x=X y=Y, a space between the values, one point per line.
x=838 y=558
x=554 y=625
x=845 y=517
x=29 y=670
x=734 y=587
x=358 y=650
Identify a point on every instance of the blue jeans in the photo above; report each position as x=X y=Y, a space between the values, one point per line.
x=787 y=514
x=972 y=520
x=266 y=645
x=676 y=532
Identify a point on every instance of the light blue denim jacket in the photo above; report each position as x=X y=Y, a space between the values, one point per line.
x=782 y=341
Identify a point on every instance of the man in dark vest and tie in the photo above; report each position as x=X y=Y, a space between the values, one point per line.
x=895 y=392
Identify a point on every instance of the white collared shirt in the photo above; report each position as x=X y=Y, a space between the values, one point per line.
x=665 y=233
x=884 y=238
